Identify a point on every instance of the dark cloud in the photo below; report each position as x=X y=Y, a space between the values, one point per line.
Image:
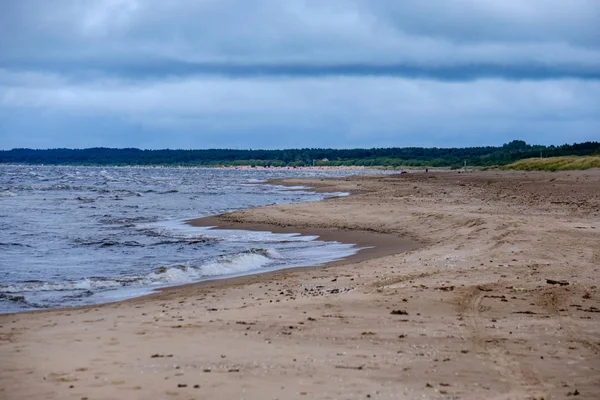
x=165 y=69
x=437 y=39
x=337 y=71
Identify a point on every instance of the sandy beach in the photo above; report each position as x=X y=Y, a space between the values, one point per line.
x=479 y=285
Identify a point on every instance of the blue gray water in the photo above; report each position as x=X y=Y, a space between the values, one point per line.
x=85 y=235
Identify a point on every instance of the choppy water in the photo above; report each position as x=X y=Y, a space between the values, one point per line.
x=84 y=235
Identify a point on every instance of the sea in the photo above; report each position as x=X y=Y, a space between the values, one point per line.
x=72 y=236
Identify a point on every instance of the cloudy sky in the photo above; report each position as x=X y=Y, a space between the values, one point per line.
x=298 y=73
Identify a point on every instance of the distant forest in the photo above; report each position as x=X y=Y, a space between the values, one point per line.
x=385 y=157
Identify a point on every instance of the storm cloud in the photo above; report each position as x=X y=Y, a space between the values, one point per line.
x=271 y=74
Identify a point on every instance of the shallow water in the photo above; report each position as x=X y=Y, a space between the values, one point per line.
x=85 y=235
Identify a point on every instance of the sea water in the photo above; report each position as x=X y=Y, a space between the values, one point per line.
x=86 y=235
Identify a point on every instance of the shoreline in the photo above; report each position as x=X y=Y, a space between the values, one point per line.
x=367 y=244
x=499 y=299
x=372 y=245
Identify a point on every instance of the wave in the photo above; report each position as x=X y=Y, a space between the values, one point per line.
x=107 y=243
x=84 y=199
x=160 y=192
x=235 y=264
x=164 y=231
x=14 y=299
x=94 y=283
x=21 y=301
x=125 y=221
x=14 y=244
x=133 y=243
x=249 y=260
x=58 y=186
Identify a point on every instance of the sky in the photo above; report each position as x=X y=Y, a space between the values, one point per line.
x=298 y=73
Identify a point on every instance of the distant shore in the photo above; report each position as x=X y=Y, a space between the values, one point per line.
x=389 y=157
x=480 y=285
x=366 y=169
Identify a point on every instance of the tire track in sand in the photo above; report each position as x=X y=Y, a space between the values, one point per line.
x=556 y=301
x=522 y=381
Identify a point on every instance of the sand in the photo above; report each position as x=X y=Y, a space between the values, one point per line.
x=485 y=286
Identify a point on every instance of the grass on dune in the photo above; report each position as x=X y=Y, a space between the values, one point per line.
x=556 y=163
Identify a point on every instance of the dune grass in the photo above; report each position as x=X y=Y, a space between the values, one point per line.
x=556 y=163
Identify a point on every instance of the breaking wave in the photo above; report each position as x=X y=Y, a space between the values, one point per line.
x=236 y=264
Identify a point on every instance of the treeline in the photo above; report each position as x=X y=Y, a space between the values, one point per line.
x=389 y=157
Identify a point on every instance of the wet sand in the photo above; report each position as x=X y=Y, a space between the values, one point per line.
x=370 y=244
x=485 y=285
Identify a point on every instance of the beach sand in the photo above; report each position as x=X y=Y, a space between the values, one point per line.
x=484 y=286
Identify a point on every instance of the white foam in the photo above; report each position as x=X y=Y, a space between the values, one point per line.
x=173 y=275
x=223 y=266
x=84 y=284
x=239 y=235
x=236 y=265
x=181 y=229
x=288 y=188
